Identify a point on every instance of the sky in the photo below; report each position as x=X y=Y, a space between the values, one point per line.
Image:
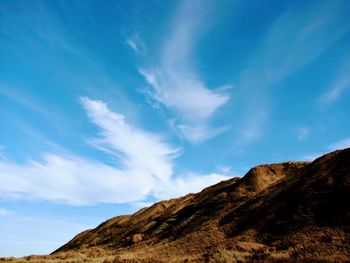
x=110 y=106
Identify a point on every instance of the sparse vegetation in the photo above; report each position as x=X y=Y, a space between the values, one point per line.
x=285 y=212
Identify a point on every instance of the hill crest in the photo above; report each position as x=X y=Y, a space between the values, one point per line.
x=291 y=211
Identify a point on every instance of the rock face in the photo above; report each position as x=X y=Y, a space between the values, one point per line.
x=296 y=211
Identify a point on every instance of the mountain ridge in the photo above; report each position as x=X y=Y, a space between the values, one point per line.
x=291 y=211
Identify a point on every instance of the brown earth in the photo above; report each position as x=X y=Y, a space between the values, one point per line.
x=293 y=211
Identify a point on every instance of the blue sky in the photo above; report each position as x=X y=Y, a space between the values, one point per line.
x=106 y=107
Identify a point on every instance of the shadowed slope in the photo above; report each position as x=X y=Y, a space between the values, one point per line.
x=293 y=211
x=176 y=218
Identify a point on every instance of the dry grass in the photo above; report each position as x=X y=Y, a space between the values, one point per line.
x=289 y=212
x=245 y=252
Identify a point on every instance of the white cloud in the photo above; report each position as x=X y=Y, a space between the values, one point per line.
x=72 y=180
x=345 y=143
x=138 y=149
x=186 y=94
x=174 y=81
x=146 y=168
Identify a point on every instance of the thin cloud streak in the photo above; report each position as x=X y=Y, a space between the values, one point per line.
x=135 y=43
x=340 y=85
x=175 y=83
x=345 y=143
x=196 y=134
x=338 y=145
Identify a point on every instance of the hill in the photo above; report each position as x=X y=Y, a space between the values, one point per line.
x=292 y=211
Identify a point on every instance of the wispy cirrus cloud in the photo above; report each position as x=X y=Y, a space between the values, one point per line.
x=34 y=105
x=25 y=101
x=286 y=48
x=338 y=145
x=28 y=40
x=146 y=168
x=340 y=85
x=135 y=43
x=174 y=81
x=342 y=144
x=198 y=133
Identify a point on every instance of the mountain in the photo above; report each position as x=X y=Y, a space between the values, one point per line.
x=292 y=211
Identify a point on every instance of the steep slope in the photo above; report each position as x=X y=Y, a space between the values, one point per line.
x=309 y=212
x=174 y=219
x=293 y=211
